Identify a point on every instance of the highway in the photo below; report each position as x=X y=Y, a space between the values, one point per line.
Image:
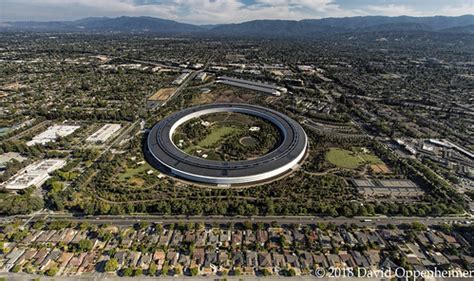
x=132 y=219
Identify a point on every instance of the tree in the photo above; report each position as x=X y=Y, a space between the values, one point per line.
x=127 y=272
x=137 y=272
x=194 y=271
x=52 y=271
x=111 y=265
x=292 y=272
x=165 y=270
x=152 y=269
x=266 y=272
x=16 y=268
x=39 y=224
x=247 y=225
x=418 y=226
x=446 y=228
x=85 y=245
x=159 y=228
x=178 y=270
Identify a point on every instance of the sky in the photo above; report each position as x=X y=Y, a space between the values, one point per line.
x=226 y=11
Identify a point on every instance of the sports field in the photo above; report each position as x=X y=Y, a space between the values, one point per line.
x=351 y=159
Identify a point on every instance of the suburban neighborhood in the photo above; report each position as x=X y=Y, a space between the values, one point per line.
x=247 y=249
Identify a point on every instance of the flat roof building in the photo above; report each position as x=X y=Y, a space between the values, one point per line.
x=104 y=133
x=252 y=85
x=52 y=134
x=396 y=188
x=181 y=78
x=5 y=158
x=162 y=152
x=201 y=76
x=35 y=174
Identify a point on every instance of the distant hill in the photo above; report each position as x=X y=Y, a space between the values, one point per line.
x=103 y=24
x=433 y=23
x=258 y=28
x=311 y=28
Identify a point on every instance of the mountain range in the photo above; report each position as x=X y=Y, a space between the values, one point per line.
x=257 y=28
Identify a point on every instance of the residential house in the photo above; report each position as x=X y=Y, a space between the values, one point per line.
x=210 y=263
x=265 y=261
x=159 y=258
x=334 y=261
x=360 y=259
x=292 y=260
x=172 y=258
x=278 y=260
x=306 y=260
x=198 y=258
x=144 y=261
x=347 y=259
x=262 y=237
x=320 y=261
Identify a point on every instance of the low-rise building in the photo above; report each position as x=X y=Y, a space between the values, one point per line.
x=52 y=134
x=35 y=174
x=104 y=133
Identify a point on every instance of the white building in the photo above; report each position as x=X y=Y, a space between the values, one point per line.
x=52 y=134
x=104 y=133
x=201 y=76
x=253 y=85
x=305 y=68
x=181 y=78
x=9 y=156
x=197 y=65
x=35 y=174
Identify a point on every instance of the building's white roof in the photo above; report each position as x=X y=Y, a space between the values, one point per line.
x=35 y=174
x=52 y=133
x=104 y=133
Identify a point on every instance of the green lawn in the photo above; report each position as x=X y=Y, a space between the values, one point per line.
x=350 y=159
x=129 y=173
x=370 y=158
x=217 y=135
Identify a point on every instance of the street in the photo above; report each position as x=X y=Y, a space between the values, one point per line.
x=132 y=219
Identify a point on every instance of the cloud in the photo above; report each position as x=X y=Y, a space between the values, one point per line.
x=392 y=10
x=458 y=10
x=225 y=11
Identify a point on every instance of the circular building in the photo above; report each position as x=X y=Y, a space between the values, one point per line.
x=291 y=150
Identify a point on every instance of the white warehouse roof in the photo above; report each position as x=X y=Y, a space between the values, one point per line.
x=35 y=174
x=53 y=133
x=104 y=133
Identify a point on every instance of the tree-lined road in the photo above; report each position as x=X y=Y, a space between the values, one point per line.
x=132 y=219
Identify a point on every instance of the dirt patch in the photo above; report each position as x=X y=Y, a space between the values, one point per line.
x=380 y=169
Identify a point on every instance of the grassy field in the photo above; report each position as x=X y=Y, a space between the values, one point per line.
x=217 y=135
x=350 y=159
x=130 y=173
